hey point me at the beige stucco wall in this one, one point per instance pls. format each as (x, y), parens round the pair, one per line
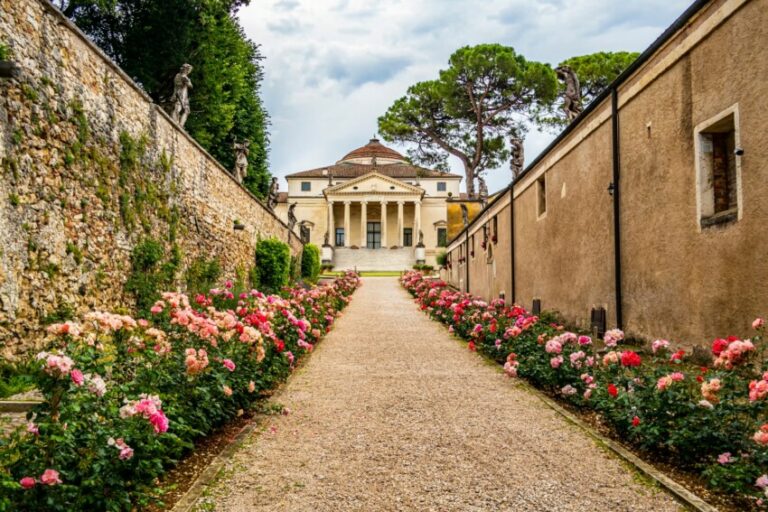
(679, 281)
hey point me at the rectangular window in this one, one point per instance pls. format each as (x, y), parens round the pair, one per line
(442, 186)
(718, 172)
(442, 237)
(407, 237)
(306, 186)
(541, 202)
(339, 237)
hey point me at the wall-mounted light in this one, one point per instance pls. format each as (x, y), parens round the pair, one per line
(611, 188)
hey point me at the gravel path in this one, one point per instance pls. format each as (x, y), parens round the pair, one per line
(391, 413)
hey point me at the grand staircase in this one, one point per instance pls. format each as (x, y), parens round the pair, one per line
(345, 258)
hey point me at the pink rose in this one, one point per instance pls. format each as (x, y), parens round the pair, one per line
(27, 482)
(77, 377)
(229, 364)
(758, 323)
(725, 458)
(555, 362)
(159, 421)
(762, 481)
(585, 340)
(227, 390)
(251, 387)
(50, 477)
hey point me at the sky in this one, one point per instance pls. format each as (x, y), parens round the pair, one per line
(334, 66)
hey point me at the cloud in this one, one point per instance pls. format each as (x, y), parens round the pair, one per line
(333, 66)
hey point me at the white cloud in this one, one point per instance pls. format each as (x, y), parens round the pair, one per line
(333, 66)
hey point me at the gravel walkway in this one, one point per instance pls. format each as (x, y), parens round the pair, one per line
(391, 413)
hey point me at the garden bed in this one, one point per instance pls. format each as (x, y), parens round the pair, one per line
(124, 400)
(707, 425)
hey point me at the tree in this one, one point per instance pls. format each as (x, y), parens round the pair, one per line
(151, 39)
(597, 70)
(471, 109)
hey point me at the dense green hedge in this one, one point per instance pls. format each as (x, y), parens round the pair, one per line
(273, 264)
(310, 263)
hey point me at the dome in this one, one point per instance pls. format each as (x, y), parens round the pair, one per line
(374, 149)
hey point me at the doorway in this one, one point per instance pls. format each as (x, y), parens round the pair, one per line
(374, 235)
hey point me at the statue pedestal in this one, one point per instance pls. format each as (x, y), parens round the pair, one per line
(326, 255)
(421, 254)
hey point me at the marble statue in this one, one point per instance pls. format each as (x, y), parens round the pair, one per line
(464, 215)
(572, 103)
(242, 149)
(292, 216)
(272, 196)
(518, 157)
(482, 189)
(181, 86)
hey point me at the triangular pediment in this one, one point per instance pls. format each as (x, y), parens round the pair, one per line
(374, 183)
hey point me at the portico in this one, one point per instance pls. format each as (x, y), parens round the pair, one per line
(375, 212)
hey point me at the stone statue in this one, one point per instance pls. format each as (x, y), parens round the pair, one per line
(572, 103)
(518, 157)
(482, 189)
(272, 196)
(327, 239)
(292, 216)
(421, 239)
(242, 149)
(181, 86)
(464, 214)
(304, 233)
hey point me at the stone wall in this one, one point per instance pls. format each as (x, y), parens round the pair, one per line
(680, 279)
(90, 168)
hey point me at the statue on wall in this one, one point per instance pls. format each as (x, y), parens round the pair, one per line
(242, 150)
(272, 196)
(304, 233)
(482, 189)
(327, 239)
(464, 214)
(292, 216)
(572, 103)
(421, 239)
(518, 157)
(181, 86)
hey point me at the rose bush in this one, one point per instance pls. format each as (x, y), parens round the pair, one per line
(712, 420)
(125, 399)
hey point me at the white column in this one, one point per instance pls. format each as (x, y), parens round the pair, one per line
(331, 224)
(384, 224)
(400, 224)
(346, 224)
(363, 224)
(416, 221)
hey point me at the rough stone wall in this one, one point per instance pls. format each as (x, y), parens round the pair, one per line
(90, 168)
(680, 281)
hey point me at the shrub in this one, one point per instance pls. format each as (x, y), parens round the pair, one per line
(202, 275)
(149, 275)
(441, 258)
(310, 263)
(712, 419)
(124, 400)
(273, 264)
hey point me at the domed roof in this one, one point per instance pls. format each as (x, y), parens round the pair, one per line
(376, 149)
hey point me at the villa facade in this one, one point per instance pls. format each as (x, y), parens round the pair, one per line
(372, 210)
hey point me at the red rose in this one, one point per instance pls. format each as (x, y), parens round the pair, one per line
(472, 346)
(718, 346)
(613, 391)
(630, 358)
(635, 421)
(677, 356)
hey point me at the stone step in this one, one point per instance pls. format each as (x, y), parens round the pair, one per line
(345, 258)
